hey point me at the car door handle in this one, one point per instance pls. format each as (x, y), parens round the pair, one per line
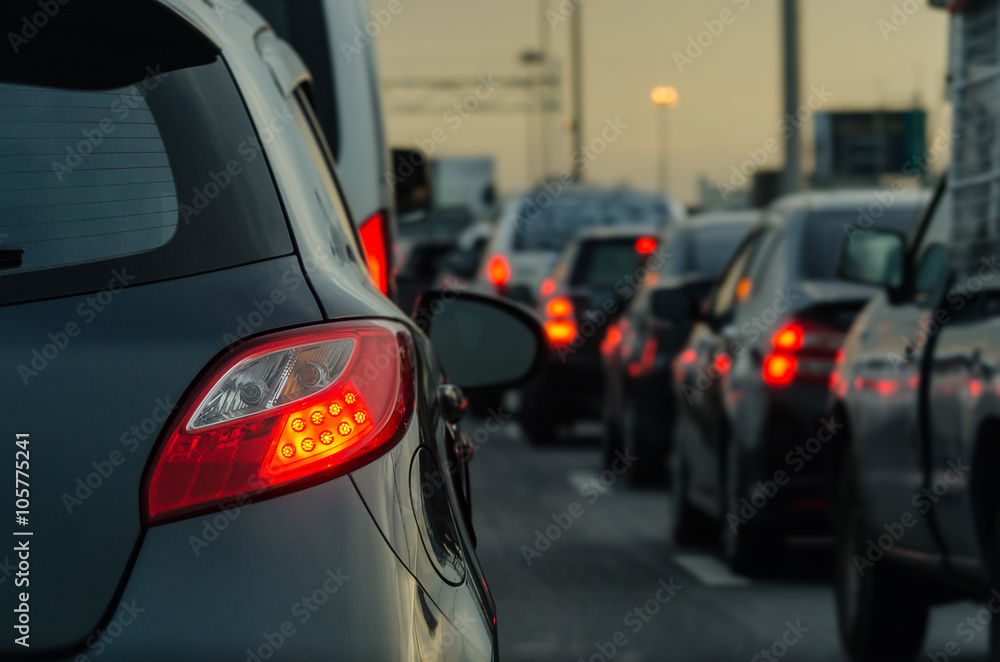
(453, 402)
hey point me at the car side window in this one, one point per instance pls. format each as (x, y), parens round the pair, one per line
(319, 150)
(929, 263)
(763, 254)
(725, 296)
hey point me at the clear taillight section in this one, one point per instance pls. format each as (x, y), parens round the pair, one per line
(286, 411)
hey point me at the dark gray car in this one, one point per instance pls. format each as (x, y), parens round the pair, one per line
(752, 383)
(228, 444)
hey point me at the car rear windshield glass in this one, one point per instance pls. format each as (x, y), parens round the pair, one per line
(155, 178)
(710, 248)
(824, 234)
(549, 228)
(601, 264)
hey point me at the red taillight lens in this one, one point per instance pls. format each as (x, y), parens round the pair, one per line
(498, 270)
(548, 287)
(804, 350)
(645, 246)
(723, 364)
(375, 241)
(560, 332)
(779, 370)
(688, 356)
(287, 411)
(789, 338)
(559, 308)
(611, 340)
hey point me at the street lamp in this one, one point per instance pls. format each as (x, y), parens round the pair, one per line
(664, 97)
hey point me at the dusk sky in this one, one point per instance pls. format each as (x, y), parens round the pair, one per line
(729, 95)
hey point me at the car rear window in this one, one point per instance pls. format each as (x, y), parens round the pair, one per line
(156, 177)
(710, 248)
(549, 228)
(600, 264)
(823, 237)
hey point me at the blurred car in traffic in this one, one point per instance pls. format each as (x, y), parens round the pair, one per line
(598, 272)
(751, 384)
(462, 264)
(638, 350)
(224, 424)
(915, 402)
(535, 227)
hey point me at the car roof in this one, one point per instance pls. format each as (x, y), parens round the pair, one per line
(614, 232)
(849, 199)
(721, 218)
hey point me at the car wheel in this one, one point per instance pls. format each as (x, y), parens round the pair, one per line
(749, 546)
(882, 615)
(994, 655)
(689, 525)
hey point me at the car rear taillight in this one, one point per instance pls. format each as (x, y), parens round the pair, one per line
(548, 287)
(779, 369)
(560, 329)
(645, 246)
(375, 241)
(284, 412)
(559, 308)
(560, 332)
(802, 350)
(498, 270)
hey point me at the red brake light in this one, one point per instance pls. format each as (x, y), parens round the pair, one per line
(779, 370)
(789, 339)
(560, 332)
(559, 308)
(375, 241)
(611, 340)
(722, 363)
(548, 287)
(285, 412)
(688, 356)
(498, 270)
(645, 246)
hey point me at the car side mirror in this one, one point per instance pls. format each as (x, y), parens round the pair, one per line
(412, 185)
(484, 343)
(874, 257)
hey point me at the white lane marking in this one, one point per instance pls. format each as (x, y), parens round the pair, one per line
(580, 479)
(709, 570)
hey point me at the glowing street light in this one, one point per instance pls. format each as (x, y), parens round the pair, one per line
(665, 96)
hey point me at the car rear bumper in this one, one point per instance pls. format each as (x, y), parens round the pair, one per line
(301, 577)
(784, 476)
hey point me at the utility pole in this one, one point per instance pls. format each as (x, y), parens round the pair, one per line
(793, 146)
(544, 41)
(576, 57)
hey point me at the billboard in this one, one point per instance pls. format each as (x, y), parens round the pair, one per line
(852, 146)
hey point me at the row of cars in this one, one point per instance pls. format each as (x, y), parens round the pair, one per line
(229, 441)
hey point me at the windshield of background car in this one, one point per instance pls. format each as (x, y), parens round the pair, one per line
(600, 264)
(824, 234)
(550, 228)
(708, 249)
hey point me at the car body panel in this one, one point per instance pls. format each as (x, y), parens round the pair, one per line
(129, 364)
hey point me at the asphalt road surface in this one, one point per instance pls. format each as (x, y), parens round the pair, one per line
(585, 570)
